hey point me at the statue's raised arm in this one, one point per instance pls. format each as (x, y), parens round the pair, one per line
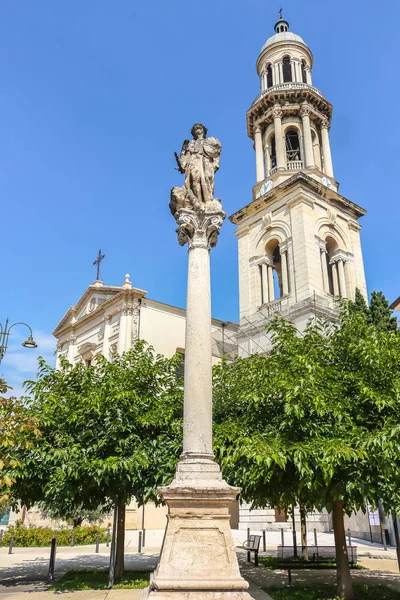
(199, 160)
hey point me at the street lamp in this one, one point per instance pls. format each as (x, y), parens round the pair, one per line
(5, 333)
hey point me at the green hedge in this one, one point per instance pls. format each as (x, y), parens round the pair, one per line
(42, 536)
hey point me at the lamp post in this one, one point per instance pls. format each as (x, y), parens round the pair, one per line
(5, 333)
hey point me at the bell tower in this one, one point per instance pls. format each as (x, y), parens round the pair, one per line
(299, 241)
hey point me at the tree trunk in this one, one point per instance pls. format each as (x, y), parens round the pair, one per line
(344, 581)
(303, 525)
(119, 558)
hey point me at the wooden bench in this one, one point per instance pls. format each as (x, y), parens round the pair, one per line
(299, 567)
(252, 545)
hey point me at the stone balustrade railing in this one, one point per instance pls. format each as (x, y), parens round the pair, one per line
(294, 165)
(291, 85)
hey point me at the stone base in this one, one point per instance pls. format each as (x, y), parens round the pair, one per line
(182, 595)
(198, 558)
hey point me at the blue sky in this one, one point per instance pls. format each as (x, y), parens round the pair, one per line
(95, 96)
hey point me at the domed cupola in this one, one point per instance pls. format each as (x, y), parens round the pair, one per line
(289, 120)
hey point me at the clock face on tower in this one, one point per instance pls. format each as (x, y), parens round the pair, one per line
(266, 187)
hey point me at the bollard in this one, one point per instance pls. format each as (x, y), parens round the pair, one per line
(72, 539)
(140, 542)
(264, 541)
(282, 537)
(248, 534)
(1, 536)
(349, 537)
(52, 562)
(10, 548)
(108, 538)
(144, 538)
(97, 544)
(383, 535)
(315, 540)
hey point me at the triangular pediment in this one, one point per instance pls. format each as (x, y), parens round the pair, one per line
(91, 301)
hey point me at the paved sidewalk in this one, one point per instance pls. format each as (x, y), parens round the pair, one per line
(20, 570)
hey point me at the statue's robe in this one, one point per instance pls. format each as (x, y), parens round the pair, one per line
(200, 159)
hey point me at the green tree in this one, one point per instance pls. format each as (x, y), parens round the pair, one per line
(110, 432)
(360, 305)
(381, 315)
(16, 429)
(314, 422)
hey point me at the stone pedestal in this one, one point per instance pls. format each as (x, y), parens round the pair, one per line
(198, 559)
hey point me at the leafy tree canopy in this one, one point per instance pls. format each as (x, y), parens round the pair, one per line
(111, 428)
(16, 430)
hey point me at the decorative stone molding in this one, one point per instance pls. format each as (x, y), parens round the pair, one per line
(277, 112)
(332, 216)
(325, 124)
(267, 220)
(305, 110)
(135, 325)
(200, 228)
(107, 319)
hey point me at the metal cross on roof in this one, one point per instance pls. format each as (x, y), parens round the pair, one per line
(280, 12)
(97, 262)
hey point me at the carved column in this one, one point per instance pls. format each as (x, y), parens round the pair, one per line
(280, 70)
(284, 270)
(198, 558)
(324, 270)
(264, 280)
(271, 291)
(275, 74)
(122, 329)
(71, 349)
(342, 278)
(279, 146)
(308, 148)
(268, 162)
(336, 290)
(259, 154)
(326, 148)
(293, 70)
(107, 332)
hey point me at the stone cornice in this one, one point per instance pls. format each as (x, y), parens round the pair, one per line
(290, 96)
(300, 179)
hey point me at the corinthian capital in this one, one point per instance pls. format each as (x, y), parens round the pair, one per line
(200, 228)
(305, 110)
(325, 123)
(277, 112)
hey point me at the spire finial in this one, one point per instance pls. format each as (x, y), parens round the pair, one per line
(280, 12)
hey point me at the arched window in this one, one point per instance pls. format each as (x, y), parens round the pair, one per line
(293, 153)
(269, 76)
(303, 71)
(274, 273)
(331, 246)
(336, 267)
(316, 149)
(287, 69)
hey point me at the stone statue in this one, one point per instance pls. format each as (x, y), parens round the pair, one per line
(199, 160)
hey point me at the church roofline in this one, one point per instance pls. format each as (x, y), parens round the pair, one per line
(395, 305)
(300, 177)
(115, 290)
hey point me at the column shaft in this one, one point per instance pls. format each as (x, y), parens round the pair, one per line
(326, 151)
(264, 279)
(280, 69)
(284, 269)
(308, 149)
(280, 149)
(122, 332)
(336, 291)
(107, 330)
(268, 163)
(259, 155)
(271, 293)
(197, 424)
(342, 279)
(71, 352)
(324, 269)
